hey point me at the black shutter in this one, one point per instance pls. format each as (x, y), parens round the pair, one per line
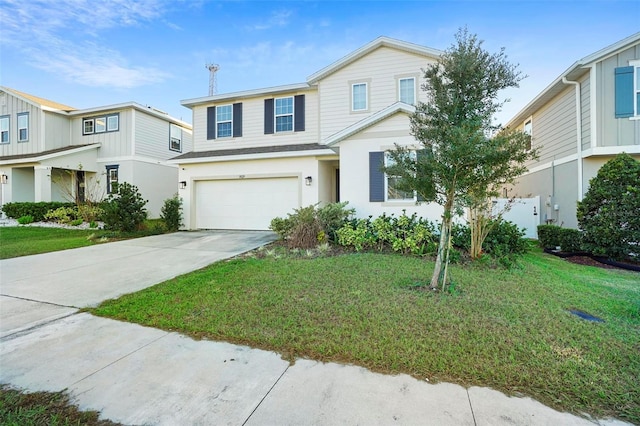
(376, 176)
(624, 92)
(268, 116)
(211, 123)
(237, 120)
(298, 108)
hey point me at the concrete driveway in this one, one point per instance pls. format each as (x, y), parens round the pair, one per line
(40, 288)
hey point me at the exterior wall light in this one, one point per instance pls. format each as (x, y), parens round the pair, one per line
(183, 184)
(308, 180)
(4, 179)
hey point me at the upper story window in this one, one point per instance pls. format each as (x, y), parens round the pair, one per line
(407, 90)
(224, 120)
(636, 89)
(527, 129)
(392, 192)
(23, 127)
(4, 129)
(359, 97)
(175, 138)
(284, 114)
(101, 124)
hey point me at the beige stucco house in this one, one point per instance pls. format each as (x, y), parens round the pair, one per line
(258, 154)
(581, 120)
(49, 151)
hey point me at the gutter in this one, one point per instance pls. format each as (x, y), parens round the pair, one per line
(578, 133)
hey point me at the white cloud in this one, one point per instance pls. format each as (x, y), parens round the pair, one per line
(277, 19)
(61, 36)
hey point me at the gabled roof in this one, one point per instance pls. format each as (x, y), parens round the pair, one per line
(370, 47)
(575, 71)
(276, 90)
(41, 102)
(369, 121)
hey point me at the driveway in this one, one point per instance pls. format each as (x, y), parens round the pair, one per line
(40, 288)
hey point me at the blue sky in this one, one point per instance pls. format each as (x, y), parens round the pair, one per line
(87, 53)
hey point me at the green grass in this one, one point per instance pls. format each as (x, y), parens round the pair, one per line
(43, 408)
(509, 330)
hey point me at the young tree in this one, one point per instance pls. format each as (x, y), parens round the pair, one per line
(463, 157)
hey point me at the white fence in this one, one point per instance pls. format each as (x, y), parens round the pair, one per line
(524, 212)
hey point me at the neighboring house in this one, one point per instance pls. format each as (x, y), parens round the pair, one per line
(584, 118)
(50, 151)
(258, 154)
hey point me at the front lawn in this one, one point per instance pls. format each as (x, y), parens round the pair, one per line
(510, 330)
(27, 240)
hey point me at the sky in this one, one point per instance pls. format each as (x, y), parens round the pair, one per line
(88, 53)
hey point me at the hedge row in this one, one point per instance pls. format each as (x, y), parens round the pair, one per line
(552, 236)
(36, 210)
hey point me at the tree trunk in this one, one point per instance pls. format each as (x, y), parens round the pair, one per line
(439, 276)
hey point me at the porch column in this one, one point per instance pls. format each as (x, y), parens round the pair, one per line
(42, 183)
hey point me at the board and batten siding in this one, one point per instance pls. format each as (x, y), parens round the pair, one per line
(380, 69)
(614, 131)
(57, 131)
(253, 125)
(113, 144)
(585, 108)
(12, 106)
(152, 137)
(554, 127)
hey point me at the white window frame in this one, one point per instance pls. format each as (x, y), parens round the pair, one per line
(25, 127)
(287, 114)
(230, 121)
(5, 119)
(175, 136)
(111, 124)
(529, 130)
(366, 96)
(636, 88)
(112, 177)
(400, 80)
(387, 163)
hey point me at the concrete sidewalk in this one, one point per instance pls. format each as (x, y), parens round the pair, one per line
(140, 375)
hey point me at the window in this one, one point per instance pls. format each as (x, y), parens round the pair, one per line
(359, 97)
(4, 129)
(102, 124)
(636, 90)
(175, 138)
(284, 114)
(407, 90)
(392, 193)
(527, 129)
(112, 178)
(224, 118)
(23, 127)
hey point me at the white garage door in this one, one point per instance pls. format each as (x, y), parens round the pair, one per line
(244, 203)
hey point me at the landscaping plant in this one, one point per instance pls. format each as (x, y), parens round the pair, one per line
(171, 213)
(124, 209)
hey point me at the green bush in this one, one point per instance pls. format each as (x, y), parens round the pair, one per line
(505, 239)
(89, 212)
(37, 210)
(124, 209)
(332, 216)
(549, 236)
(76, 222)
(171, 213)
(608, 214)
(570, 240)
(25, 220)
(62, 214)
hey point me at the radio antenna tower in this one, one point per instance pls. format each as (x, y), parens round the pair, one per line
(213, 68)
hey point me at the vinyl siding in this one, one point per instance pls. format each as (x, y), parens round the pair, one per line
(113, 144)
(57, 130)
(253, 125)
(585, 98)
(380, 69)
(13, 106)
(613, 131)
(554, 127)
(152, 137)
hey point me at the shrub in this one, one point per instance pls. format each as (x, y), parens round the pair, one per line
(549, 236)
(505, 239)
(608, 214)
(171, 213)
(77, 222)
(89, 212)
(62, 214)
(24, 220)
(570, 240)
(37, 210)
(124, 209)
(332, 216)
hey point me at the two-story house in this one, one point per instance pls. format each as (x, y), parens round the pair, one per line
(50, 151)
(586, 116)
(258, 154)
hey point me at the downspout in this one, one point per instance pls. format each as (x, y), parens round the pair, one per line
(578, 132)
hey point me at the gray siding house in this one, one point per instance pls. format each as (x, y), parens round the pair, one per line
(50, 151)
(581, 120)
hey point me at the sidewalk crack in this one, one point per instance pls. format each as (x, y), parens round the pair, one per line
(266, 395)
(471, 407)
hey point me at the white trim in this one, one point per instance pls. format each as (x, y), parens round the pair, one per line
(190, 103)
(611, 150)
(138, 158)
(262, 156)
(636, 87)
(568, 159)
(50, 156)
(366, 96)
(593, 109)
(133, 132)
(224, 121)
(369, 121)
(276, 115)
(415, 92)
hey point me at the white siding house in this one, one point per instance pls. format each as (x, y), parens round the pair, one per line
(261, 153)
(45, 144)
(581, 120)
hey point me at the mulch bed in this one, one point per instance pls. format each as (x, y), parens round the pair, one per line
(586, 260)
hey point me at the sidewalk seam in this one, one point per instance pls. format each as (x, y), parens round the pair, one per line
(266, 395)
(471, 407)
(38, 301)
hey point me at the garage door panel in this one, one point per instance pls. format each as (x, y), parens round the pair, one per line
(244, 203)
